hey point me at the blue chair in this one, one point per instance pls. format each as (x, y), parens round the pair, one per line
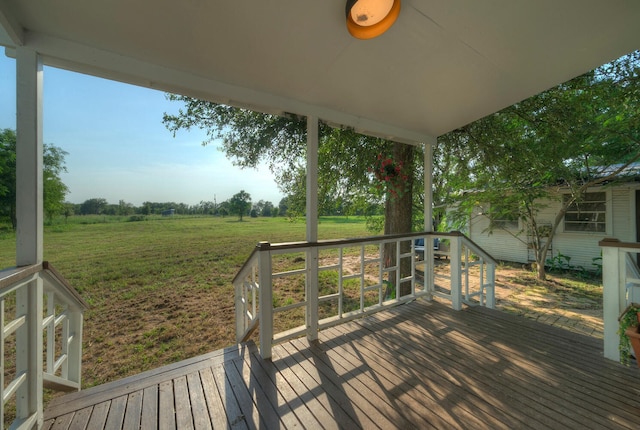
(419, 246)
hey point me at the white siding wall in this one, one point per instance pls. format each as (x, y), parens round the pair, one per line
(500, 244)
(581, 247)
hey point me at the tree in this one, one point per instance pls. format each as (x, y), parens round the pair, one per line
(572, 137)
(8, 175)
(345, 157)
(54, 190)
(240, 203)
(94, 206)
(283, 206)
(267, 209)
(125, 208)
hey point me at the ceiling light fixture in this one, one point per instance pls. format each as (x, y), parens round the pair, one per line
(367, 19)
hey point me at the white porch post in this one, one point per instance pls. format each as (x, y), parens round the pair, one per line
(428, 185)
(613, 295)
(312, 227)
(29, 204)
(29, 234)
(428, 214)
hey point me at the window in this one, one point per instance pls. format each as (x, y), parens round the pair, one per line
(588, 214)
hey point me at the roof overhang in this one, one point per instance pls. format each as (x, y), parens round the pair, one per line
(443, 64)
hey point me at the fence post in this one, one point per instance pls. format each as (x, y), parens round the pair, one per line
(456, 273)
(266, 300)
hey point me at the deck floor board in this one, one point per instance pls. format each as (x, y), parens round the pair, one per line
(149, 417)
(419, 365)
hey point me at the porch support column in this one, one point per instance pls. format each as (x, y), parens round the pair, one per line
(428, 215)
(312, 228)
(428, 184)
(29, 231)
(29, 200)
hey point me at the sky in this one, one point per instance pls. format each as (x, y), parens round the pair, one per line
(118, 148)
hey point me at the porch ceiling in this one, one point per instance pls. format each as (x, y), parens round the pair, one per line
(443, 64)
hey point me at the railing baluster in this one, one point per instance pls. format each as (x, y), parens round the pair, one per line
(51, 332)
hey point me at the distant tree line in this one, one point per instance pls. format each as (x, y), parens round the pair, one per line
(239, 205)
(233, 206)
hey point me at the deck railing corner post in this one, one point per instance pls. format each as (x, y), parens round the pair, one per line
(491, 285)
(29, 351)
(613, 269)
(456, 272)
(266, 302)
(312, 293)
(76, 321)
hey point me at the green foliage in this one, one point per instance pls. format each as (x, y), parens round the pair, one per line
(577, 135)
(597, 263)
(629, 318)
(562, 263)
(54, 190)
(389, 290)
(559, 263)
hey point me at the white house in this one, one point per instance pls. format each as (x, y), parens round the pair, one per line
(609, 211)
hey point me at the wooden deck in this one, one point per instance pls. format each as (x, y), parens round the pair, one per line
(420, 365)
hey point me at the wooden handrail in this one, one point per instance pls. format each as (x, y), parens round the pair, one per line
(246, 263)
(266, 246)
(263, 246)
(14, 275)
(61, 281)
(616, 243)
(480, 250)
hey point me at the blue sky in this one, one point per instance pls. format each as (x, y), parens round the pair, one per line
(120, 150)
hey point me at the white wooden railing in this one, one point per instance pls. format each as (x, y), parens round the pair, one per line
(40, 341)
(311, 286)
(621, 287)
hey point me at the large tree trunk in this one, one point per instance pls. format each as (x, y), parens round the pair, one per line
(398, 216)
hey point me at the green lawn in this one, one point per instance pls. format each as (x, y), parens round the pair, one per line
(160, 289)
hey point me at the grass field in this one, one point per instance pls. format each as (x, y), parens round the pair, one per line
(160, 290)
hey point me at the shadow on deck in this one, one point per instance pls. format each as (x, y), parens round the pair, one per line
(419, 365)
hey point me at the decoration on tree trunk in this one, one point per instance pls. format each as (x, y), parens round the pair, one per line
(391, 176)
